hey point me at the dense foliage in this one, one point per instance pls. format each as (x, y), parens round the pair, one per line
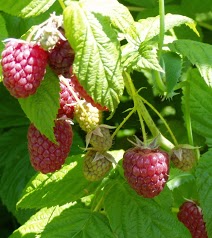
(149, 64)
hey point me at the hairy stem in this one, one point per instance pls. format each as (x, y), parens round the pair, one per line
(141, 109)
(122, 123)
(163, 120)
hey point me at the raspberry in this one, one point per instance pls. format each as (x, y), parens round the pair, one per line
(87, 116)
(191, 216)
(146, 170)
(183, 157)
(79, 88)
(100, 138)
(95, 165)
(67, 102)
(45, 156)
(23, 65)
(61, 57)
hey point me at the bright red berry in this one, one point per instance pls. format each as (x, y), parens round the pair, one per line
(191, 216)
(146, 170)
(23, 66)
(46, 156)
(61, 57)
(82, 92)
(67, 102)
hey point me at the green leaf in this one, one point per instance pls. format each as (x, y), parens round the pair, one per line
(150, 27)
(200, 54)
(26, 8)
(11, 112)
(36, 224)
(15, 166)
(138, 59)
(120, 17)
(172, 65)
(45, 190)
(200, 106)
(65, 221)
(204, 184)
(42, 107)
(97, 61)
(78, 222)
(191, 8)
(183, 186)
(131, 215)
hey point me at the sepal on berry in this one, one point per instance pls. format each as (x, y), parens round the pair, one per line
(96, 165)
(184, 157)
(100, 138)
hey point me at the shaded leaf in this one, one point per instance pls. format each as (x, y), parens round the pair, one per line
(200, 54)
(131, 215)
(200, 106)
(11, 112)
(15, 166)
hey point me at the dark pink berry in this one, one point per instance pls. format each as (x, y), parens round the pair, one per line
(67, 102)
(82, 92)
(61, 57)
(146, 170)
(191, 216)
(46, 156)
(23, 66)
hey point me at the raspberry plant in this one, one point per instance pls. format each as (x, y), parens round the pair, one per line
(137, 68)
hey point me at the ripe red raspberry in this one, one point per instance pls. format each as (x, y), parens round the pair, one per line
(191, 216)
(96, 165)
(61, 57)
(184, 157)
(82, 92)
(87, 116)
(45, 156)
(146, 170)
(67, 102)
(23, 66)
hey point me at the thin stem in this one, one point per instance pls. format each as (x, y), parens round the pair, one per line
(123, 122)
(162, 27)
(160, 84)
(142, 127)
(205, 25)
(135, 9)
(97, 207)
(163, 120)
(62, 4)
(187, 113)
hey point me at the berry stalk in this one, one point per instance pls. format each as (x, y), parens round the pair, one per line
(141, 109)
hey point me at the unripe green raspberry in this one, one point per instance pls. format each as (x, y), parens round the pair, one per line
(100, 138)
(96, 165)
(88, 116)
(184, 157)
